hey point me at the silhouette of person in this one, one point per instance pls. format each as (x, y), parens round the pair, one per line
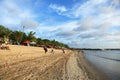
(63, 50)
(45, 49)
(52, 51)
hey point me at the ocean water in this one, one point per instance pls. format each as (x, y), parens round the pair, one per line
(108, 61)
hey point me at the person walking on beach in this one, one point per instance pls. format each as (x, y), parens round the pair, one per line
(52, 51)
(45, 49)
(63, 50)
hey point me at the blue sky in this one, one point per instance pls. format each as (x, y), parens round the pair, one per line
(78, 23)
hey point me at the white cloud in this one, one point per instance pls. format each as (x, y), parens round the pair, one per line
(12, 13)
(66, 34)
(86, 9)
(74, 43)
(107, 9)
(30, 24)
(86, 24)
(57, 8)
(116, 2)
(82, 10)
(63, 30)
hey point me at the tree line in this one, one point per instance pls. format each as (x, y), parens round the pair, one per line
(13, 37)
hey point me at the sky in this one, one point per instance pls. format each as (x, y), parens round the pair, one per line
(78, 23)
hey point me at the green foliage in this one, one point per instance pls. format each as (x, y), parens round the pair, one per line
(31, 36)
(24, 37)
(19, 36)
(4, 33)
(40, 41)
(51, 43)
(16, 36)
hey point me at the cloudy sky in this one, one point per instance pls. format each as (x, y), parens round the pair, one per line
(78, 23)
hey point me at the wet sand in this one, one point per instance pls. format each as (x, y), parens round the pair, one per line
(31, 63)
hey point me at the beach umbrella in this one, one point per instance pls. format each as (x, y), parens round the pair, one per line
(27, 41)
(33, 42)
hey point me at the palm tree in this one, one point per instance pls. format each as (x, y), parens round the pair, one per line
(31, 36)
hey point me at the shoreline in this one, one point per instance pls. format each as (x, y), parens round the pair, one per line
(92, 72)
(31, 63)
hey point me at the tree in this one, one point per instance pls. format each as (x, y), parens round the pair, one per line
(24, 37)
(40, 41)
(2, 31)
(5, 33)
(31, 36)
(16, 36)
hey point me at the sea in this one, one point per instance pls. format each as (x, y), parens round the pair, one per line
(108, 61)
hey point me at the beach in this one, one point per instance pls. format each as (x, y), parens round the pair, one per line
(31, 63)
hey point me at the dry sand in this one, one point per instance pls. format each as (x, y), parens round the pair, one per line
(31, 63)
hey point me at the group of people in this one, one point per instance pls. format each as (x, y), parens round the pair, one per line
(4, 46)
(52, 50)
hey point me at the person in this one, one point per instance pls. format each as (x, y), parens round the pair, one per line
(45, 49)
(0, 46)
(52, 51)
(7, 47)
(63, 50)
(3, 46)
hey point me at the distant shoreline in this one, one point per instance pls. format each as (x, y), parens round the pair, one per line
(92, 49)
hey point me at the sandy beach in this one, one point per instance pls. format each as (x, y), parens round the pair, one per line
(31, 63)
